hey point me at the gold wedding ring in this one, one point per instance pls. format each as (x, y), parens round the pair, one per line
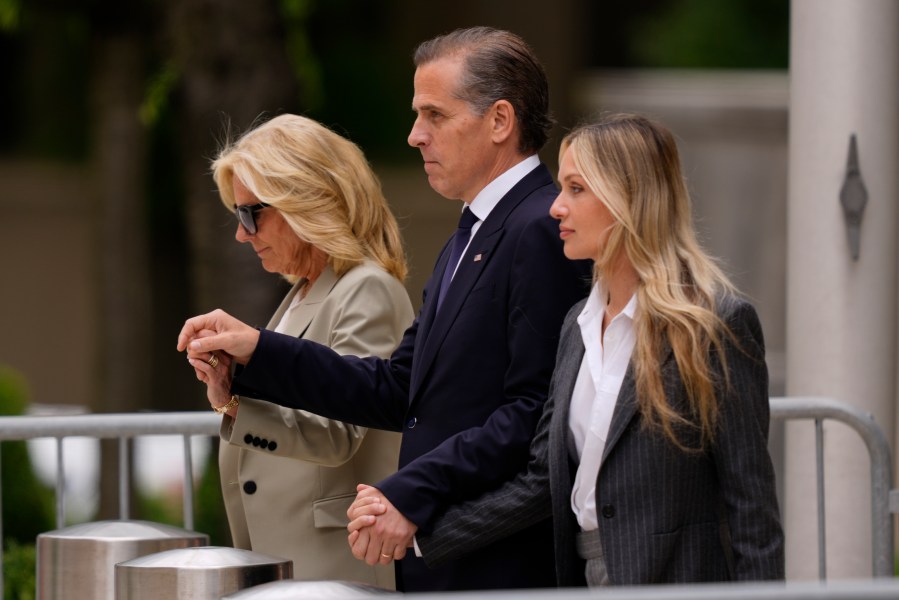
(213, 361)
(386, 555)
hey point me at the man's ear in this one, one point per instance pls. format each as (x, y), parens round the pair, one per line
(503, 121)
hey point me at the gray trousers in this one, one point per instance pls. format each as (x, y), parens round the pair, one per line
(590, 549)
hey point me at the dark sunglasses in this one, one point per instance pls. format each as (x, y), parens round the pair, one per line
(246, 215)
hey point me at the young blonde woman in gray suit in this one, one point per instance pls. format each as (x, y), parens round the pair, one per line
(651, 455)
(312, 209)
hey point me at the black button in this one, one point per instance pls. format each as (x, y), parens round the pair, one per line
(249, 487)
(608, 511)
(256, 441)
(411, 423)
(272, 445)
(248, 439)
(264, 443)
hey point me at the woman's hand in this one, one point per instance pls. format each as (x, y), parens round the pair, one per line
(214, 369)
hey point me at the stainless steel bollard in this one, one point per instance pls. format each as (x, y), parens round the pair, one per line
(79, 561)
(311, 590)
(207, 572)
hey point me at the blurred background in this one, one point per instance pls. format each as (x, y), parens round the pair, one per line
(113, 233)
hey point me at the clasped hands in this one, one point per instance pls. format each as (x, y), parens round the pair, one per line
(379, 533)
(218, 331)
(214, 369)
(213, 342)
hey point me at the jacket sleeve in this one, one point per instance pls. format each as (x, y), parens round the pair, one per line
(366, 391)
(740, 451)
(362, 317)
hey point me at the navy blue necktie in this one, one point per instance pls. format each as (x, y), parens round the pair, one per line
(460, 240)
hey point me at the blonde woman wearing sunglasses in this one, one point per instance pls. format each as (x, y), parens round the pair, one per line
(311, 208)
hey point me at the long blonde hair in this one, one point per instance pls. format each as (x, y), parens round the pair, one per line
(323, 186)
(633, 166)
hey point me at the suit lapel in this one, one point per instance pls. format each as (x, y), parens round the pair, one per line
(473, 263)
(429, 307)
(435, 326)
(299, 317)
(625, 409)
(466, 276)
(626, 406)
(285, 304)
(566, 377)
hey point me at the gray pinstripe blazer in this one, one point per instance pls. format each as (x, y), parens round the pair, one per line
(665, 515)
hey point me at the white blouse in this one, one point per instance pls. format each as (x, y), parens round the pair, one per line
(606, 357)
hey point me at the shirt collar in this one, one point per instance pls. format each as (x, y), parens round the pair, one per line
(595, 308)
(494, 191)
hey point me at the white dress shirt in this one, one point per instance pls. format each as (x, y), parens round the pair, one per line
(487, 199)
(606, 357)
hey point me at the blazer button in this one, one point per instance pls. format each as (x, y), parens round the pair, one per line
(411, 423)
(608, 511)
(248, 439)
(264, 443)
(272, 445)
(257, 441)
(249, 487)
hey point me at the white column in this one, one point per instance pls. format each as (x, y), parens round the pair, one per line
(841, 313)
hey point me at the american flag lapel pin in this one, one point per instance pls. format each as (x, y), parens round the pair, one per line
(477, 258)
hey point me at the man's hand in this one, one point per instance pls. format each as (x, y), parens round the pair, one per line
(379, 533)
(228, 334)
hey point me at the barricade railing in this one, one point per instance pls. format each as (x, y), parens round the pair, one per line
(111, 426)
(884, 500)
(820, 409)
(867, 589)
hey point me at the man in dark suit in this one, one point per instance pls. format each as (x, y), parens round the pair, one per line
(468, 382)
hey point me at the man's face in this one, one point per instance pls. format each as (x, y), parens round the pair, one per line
(455, 143)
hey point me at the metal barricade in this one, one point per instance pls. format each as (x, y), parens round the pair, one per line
(863, 423)
(111, 426)
(884, 500)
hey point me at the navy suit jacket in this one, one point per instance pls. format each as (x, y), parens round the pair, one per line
(665, 515)
(465, 386)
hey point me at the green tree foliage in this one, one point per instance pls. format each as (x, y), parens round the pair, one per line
(365, 77)
(45, 51)
(714, 34)
(19, 562)
(27, 504)
(10, 14)
(306, 66)
(679, 34)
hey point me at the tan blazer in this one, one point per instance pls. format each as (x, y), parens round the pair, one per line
(288, 476)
